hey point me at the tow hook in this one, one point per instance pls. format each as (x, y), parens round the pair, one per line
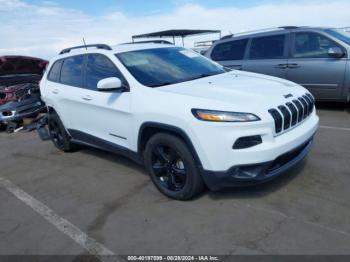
(42, 129)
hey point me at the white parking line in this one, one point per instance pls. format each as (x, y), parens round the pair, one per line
(336, 128)
(88, 243)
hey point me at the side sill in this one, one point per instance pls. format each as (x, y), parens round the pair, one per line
(82, 138)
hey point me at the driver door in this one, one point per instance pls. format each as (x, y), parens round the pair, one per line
(103, 114)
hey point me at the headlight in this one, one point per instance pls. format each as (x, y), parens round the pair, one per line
(221, 116)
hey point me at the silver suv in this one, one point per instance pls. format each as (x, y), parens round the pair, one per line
(316, 58)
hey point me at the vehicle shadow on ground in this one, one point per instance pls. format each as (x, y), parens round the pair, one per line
(114, 158)
(256, 191)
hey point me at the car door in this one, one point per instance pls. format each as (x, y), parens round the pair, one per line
(67, 89)
(268, 55)
(65, 79)
(103, 114)
(230, 53)
(50, 93)
(312, 67)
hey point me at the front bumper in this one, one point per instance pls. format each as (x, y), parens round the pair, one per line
(245, 175)
(15, 111)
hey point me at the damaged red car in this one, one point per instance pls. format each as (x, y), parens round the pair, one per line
(19, 87)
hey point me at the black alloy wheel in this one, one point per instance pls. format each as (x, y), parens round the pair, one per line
(172, 167)
(169, 168)
(56, 134)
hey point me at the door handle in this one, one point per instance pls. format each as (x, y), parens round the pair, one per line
(87, 98)
(293, 66)
(281, 66)
(55, 91)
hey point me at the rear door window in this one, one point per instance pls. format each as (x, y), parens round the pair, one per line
(312, 45)
(268, 47)
(99, 67)
(233, 50)
(55, 71)
(72, 71)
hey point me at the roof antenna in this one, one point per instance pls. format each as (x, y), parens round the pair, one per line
(84, 43)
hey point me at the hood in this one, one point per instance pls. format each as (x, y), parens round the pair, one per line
(10, 65)
(239, 87)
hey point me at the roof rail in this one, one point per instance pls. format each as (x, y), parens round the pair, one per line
(206, 43)
(227, 36)
(265, 30)
(289, 27)
(98, 46)
(160, 41)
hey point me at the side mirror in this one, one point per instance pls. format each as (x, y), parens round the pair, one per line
(336, 52)
(110, 84)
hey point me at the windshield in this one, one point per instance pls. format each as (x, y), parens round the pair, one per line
(165, 66)
(340, 34)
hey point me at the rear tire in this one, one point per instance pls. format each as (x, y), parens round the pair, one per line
(59, 135)
(172, 167)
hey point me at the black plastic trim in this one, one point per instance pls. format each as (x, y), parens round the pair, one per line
(172, 129)
(286, 117)
(80, 137)
(98, 46)
(294, 112)
(277, 118)
(247, 142)
(300, 110)
(305, 105)
(264, 172)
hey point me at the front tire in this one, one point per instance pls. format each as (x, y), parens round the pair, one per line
(172, 167)
(58, 134)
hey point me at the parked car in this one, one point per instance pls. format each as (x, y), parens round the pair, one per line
(316, 58)
(190, 121)
(19, 87)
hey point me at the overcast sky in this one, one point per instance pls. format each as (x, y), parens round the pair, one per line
(43, 28)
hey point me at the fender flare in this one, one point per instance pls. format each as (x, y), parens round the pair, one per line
(171, 129)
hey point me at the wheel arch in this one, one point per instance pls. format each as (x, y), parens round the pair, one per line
(50, 109)
(148, 129)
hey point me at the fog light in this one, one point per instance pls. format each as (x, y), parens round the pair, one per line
(247, 141)
(248, 172)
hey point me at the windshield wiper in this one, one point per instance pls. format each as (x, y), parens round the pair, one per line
(201, 76)
(162, 84)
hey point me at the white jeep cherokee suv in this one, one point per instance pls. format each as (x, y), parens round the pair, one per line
(189, 120)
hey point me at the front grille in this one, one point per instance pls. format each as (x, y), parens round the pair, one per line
(278, 119)
(300, 110)
(293, 109)
(292, 113)
(286, 115)
(306, 109)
